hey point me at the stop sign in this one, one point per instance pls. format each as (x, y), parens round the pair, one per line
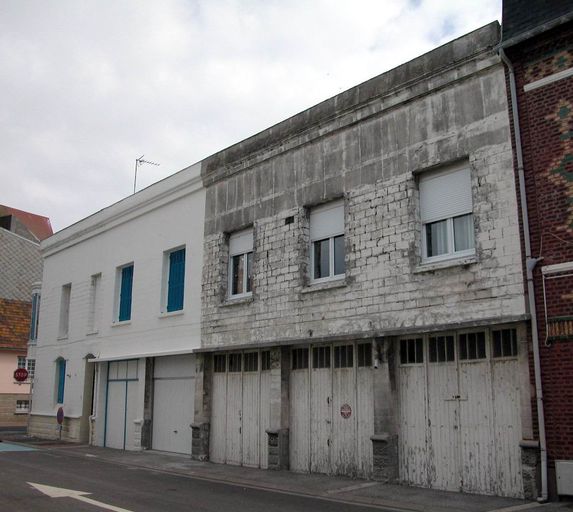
(21, 374)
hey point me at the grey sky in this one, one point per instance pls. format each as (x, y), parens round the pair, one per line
(86, 87)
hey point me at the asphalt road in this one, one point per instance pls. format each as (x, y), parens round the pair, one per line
(115, 487)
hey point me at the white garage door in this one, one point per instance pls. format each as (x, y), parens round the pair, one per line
(459, 412)
(240, 411)
(173, 403)
(331, 409)
(121, 408)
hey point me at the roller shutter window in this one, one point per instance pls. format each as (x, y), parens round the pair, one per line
(446, 213)
(327, 242)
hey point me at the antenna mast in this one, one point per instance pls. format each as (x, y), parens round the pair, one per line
(138, 162)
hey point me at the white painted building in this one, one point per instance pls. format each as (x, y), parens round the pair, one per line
(120, 316)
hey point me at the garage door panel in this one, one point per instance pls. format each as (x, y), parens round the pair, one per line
(507, 435)
(234, 418)
(299, 421)
(173, 414)
(131, 415)
(115, 415)
(251, 415)
(174, 366)
(414, 460)
(476, 427)
(320, 420)
(443, 454)
(365, 420)
(218, 432)
(265, 417)
(344, 453)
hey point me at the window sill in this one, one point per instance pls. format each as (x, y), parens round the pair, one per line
(119, 324)
(21, 412)
(237, 301)
(452, 262)
(167, 314)
(325, 285)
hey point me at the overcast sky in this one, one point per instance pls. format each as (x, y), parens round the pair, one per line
(86, 87)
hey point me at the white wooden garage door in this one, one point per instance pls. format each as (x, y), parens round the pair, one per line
(121, 404)
(460, 412)
(240, 411)
(331, 409)
(173, 403)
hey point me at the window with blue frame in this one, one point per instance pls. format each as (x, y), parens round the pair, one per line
(61, 379)
(176, 280)
(125, 293)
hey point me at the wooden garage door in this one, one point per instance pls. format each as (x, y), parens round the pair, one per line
(173, 403)
(241, 408)
(331, 409)
(459, 412)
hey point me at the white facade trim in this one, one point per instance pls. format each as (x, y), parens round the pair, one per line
(548, 80)
(558, 267)
(160, 194)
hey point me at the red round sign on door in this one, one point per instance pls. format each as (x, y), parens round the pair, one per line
(345, 411)
(21, 374)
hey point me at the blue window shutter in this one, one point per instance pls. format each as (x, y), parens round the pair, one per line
(61, 380)
(176, 283)
(125, 293)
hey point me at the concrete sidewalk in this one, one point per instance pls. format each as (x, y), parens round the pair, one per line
(337, 489)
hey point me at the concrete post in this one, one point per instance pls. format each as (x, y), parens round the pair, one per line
(278, 433)
(201, 426)
(385, 438)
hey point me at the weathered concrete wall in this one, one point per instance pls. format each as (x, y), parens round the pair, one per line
(365, 146)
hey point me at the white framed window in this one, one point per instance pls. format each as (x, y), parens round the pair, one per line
(21, 361)
(31, 367)
(327, 242)
(22, 406)
(173, 285)
(94, 304)
(447, 214)
(34, 319)
(64, 324)
(241, 264)
(123, 292)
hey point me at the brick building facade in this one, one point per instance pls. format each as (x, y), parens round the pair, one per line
(538, 42)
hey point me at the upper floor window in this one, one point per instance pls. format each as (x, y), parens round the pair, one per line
(446, 212)
(125, 279)
(241, 263)
(31, 367)
(35, 317)
(65, 311)
(175, 262)
(21, 361)
(94, 304)
(327, 242)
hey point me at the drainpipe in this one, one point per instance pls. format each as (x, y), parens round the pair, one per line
(529, 266)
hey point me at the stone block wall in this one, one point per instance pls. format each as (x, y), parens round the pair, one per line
(369, 155)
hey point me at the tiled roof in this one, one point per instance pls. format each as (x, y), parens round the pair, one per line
(20, 266)
(14, 323)
(39, 226)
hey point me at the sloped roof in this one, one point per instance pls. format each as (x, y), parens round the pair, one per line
(38, 225)
(520, 20)
(14, 324)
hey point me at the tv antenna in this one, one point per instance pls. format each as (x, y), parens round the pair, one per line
(139, 162)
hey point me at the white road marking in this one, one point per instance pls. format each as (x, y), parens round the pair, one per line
(58, 492)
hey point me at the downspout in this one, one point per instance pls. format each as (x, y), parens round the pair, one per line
(529, 266)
